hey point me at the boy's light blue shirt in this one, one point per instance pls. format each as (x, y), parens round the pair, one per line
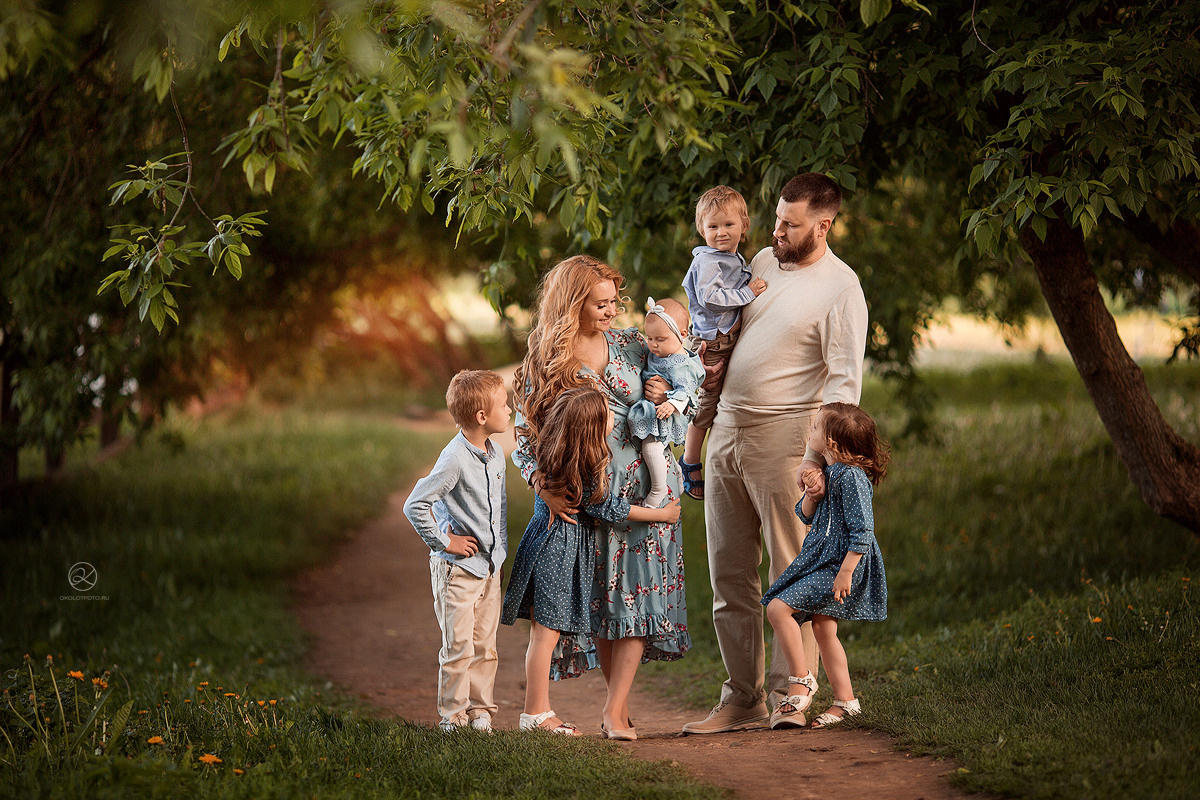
(717, 286)
(464, 490)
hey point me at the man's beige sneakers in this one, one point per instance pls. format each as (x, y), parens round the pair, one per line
(727, 717)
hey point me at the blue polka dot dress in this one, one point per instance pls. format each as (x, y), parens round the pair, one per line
(843, 521)
(553, 578)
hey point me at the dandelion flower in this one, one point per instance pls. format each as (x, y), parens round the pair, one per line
(103, 684)
(154, 740)
(237, 771)
(229, 694)
(210, 759)
(76, 674)
(1097, 619)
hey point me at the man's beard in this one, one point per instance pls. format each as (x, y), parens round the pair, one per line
(794, 254)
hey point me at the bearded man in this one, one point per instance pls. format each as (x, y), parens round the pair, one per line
(801, 345)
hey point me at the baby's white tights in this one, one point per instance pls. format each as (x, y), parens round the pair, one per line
(654, 453)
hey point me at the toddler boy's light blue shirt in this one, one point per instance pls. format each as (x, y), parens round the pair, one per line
(717, 286)
(465, 490)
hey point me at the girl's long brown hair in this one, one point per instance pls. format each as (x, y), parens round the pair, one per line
(550, 366)
(853, 438)
(572, 452)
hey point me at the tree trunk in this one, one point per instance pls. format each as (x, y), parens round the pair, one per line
(56, 458)
(111, 407)
(1164, 466)
(110, 429)
(9, 448)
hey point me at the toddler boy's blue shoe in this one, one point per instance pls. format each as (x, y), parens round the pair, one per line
(692, 487)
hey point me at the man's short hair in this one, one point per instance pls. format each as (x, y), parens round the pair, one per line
(471, 391)
(822, 194)
(720, 197)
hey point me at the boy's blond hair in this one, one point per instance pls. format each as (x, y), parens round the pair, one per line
(720, 197)
(470, 391)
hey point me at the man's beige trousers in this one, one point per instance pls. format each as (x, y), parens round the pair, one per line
(750, 497)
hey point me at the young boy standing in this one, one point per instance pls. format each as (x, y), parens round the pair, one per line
(460, 509)
(718, 283)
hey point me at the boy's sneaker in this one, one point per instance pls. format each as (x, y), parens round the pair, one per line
(482, 723)
(727, 717)
(451, 727)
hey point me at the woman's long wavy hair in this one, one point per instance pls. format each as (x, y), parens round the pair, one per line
(573, 453)
(550, 366)
(852, 437)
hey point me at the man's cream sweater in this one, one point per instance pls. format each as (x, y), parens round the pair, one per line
(801, 345)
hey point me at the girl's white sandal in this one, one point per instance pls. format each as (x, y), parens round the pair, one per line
(850, 707)
(531, 722)
(789, 712)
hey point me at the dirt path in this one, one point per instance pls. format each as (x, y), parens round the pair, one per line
(371, 617)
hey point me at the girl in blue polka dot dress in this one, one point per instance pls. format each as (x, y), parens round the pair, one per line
(839, 572)
(554, 569)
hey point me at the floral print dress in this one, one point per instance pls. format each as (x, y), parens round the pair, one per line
(639, 587)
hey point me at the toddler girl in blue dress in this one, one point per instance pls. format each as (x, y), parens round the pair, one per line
(839, 572)
(554, 568)
(659, 426)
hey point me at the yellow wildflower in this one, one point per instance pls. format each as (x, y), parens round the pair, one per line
(154, 740)
(1097, 619)
(76, 674)
(237, 771)
(210, 759)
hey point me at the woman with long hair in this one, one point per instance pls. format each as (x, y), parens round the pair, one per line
(638, 607)
(554, 571)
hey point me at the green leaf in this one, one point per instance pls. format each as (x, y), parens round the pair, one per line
(158, 315)
(119, 719)
(873, 11)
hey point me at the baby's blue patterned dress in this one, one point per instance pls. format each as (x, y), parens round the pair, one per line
(843, 522)
(685, 373)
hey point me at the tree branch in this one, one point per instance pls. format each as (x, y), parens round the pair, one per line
(500, 51)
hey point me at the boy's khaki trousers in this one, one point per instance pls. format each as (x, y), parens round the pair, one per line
(468, 612)
(750, 497)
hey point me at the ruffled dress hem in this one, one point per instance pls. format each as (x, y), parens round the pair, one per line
(665, 640)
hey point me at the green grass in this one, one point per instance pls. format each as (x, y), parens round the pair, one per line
(1041, 629)
(1041, 626)
(186, 635)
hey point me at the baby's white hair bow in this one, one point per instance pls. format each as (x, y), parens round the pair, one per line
(653, 307)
